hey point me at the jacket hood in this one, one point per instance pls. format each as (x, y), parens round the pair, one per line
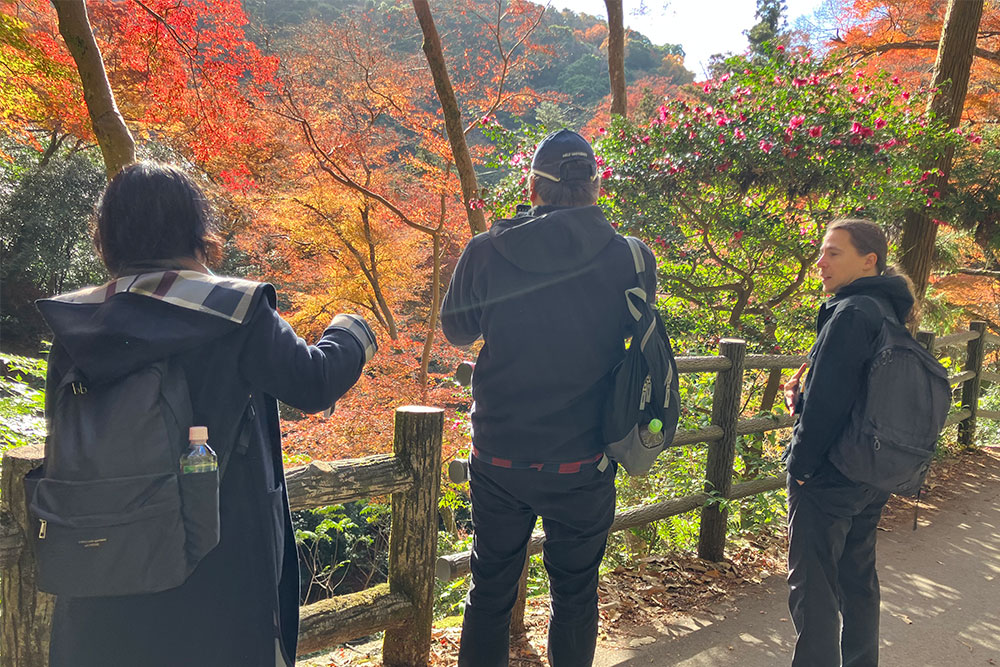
(130, 322)
(892, 289)
(549, 239)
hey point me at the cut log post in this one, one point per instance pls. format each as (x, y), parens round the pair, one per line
(414, 532)
(517, 615)
(26, 617)
(970, 388)
(719, 467)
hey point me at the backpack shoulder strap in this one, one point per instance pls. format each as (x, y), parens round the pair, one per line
(883, 308)
(635, 245)
(640, 291)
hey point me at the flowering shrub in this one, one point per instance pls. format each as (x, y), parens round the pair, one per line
(732, 186)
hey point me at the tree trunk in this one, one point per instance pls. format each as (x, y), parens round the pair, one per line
(951, 77)
(616, 57)
(117, 146)
(452, 116)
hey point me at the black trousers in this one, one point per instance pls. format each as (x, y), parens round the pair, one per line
(577, 510)
(833, 586)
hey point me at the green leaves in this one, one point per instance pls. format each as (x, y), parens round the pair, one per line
(22, 401)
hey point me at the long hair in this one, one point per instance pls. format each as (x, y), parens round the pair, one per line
(152, 211)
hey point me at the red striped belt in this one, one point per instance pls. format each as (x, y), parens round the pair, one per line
(561, 468)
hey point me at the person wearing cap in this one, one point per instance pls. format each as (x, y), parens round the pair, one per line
(544, 291)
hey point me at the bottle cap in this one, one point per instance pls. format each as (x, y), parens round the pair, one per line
(198, 433)
(655, 426)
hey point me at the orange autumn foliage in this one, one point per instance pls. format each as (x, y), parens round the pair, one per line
(901, 37)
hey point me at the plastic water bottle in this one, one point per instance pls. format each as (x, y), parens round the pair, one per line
(199, 457)
(652, 436)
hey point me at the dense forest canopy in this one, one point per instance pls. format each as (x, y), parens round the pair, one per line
(317, 130)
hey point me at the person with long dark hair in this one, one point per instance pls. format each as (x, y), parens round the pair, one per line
(834, 591)
(239, 606)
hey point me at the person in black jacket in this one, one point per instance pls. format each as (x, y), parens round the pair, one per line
(834, 592)
(240, 605)
(545, 292)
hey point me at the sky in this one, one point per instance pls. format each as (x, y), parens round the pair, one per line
(702, 27)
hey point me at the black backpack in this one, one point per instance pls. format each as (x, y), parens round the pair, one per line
(645, 385)
(115, 516)
(894, 425)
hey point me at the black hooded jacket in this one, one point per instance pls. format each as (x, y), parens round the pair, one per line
(838, 363)
(240, 605)
(545, 290)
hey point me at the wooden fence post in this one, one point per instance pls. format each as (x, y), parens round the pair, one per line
(414, 532)
(26, 619)
(719, 467)
(970, 388)
(517, 626)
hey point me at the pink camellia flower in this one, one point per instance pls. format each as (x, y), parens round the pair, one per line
(739, 134)
(738, 235)
(880, 123)
(601, 130)
(798, 83)
(606, 174)
(895, 80)
(906, 95)
(796, 121)
(816, 131)
(780, 47)
(856, 127)
(645, 139)
(766, 145)
(835, 142)
(975, 138)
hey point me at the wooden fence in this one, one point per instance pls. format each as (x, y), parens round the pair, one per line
(411, 475)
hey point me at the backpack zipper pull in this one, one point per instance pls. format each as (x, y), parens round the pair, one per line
(41, 531)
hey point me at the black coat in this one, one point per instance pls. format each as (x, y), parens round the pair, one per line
(838, 366)
(240, 606)
(545, 290)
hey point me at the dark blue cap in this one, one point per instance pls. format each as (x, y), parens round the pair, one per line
(564, 156)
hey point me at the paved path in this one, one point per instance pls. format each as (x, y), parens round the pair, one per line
(940, 599)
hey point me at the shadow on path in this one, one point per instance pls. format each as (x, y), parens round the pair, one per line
(940, 596)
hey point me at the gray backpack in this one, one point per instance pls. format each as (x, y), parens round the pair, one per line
(115, 516)
(894, 425)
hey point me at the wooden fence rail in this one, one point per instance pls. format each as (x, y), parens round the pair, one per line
(720, 438)
(403, 607)
(411, 476)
